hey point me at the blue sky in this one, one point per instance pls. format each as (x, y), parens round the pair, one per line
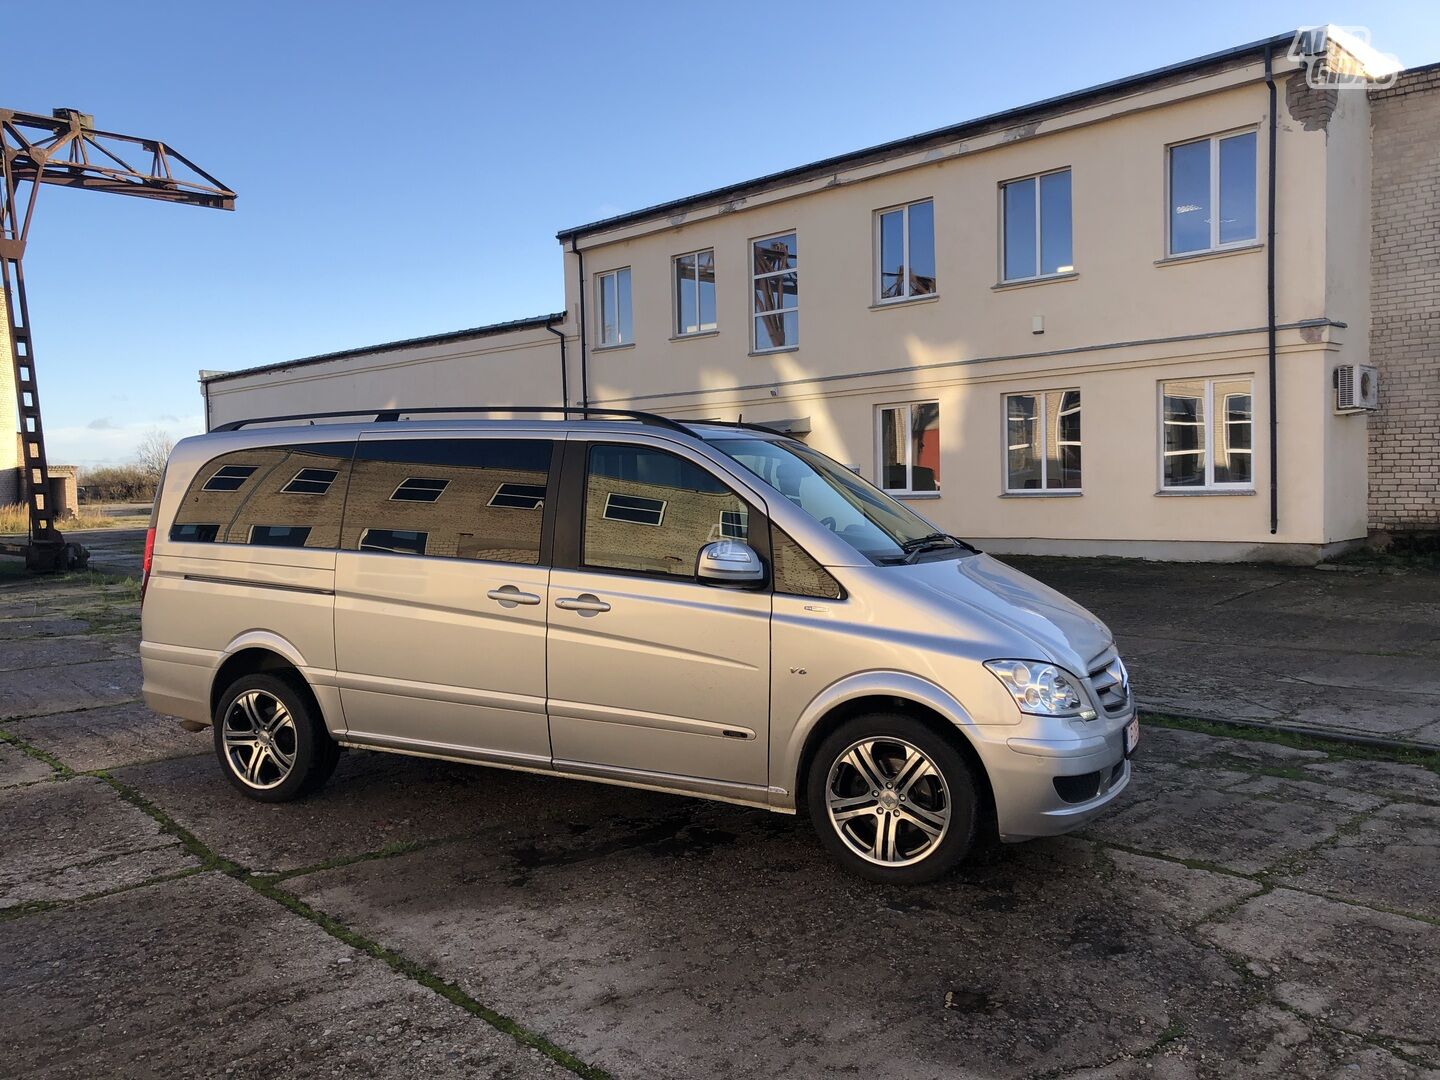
(402, 169)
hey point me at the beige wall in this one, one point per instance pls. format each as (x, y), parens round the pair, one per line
(1128, 319)
(514, 367)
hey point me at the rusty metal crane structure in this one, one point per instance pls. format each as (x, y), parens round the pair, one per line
(66, 149)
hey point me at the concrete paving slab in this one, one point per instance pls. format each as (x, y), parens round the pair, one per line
(1196, 817)
(1284, 789)
(373, 800)
(718, 941)
(110, 737)
(45, 652)
(63, 689)
(1387, 779)
(1351, 652)
(1277, 1044)
(1391, 860)
(15, 628)
(77, 837)
(1365, 971)
(204, 977)
(18, 768)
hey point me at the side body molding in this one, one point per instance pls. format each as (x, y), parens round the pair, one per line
(864, 684)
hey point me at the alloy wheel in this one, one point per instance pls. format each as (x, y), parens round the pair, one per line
(260, 739)
(888, 801)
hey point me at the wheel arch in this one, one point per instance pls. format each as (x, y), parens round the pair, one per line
(882, 692)
(262, 659)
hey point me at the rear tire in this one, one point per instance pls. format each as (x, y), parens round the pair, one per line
(892, 800)
(271, 742)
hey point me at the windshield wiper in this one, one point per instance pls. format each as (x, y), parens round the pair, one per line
(930, 542)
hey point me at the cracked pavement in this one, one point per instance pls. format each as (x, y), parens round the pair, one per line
(1247, 909)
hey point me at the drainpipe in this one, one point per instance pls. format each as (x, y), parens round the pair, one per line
(1270, 294)
(564, 373)
(584, 337)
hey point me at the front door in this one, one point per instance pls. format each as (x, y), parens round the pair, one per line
(652, 672)
(440, 596)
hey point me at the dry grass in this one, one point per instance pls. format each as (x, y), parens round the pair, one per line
(15, 520)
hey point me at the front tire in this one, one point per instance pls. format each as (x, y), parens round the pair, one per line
(892, 800)
(272, 744)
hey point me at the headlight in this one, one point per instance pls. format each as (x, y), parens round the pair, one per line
(1039, 689)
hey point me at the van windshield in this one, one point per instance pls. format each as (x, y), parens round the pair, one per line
(874, 524)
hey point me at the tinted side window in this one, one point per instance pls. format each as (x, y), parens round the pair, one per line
(285, 496)
(651, 511)
(796, 572)
(449, 498)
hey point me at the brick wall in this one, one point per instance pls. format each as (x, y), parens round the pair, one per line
(1405, 302)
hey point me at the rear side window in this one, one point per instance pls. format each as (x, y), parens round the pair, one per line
(650, 511)
(449, 498)
(269, 496)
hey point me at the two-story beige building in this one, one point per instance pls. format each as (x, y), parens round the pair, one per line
(1109, 322)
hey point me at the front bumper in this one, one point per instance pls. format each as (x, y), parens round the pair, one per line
(1023, 763)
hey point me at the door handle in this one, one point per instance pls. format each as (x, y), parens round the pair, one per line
(509, 596)
(585, 603)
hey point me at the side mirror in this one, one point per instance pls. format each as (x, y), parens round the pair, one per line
(729, 562)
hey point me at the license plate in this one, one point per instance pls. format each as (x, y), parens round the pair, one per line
(1132, 736)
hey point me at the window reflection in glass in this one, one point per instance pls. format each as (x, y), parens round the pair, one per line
(1190, 197)
(449, 498)
(1237, 188)
(241, 491)
(695, 293)
(776, 292)
(1023, 461)
(1020, 234)
(1184, 422)
(650, 511)
(1234, 459)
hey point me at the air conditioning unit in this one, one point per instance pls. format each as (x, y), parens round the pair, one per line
(1357, 388)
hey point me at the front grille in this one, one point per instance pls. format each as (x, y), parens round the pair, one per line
(1110, 682)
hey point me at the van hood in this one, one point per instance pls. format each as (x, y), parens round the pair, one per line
(1064, 631)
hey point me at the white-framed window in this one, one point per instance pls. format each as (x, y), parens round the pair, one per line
(775, 274)
(695, 293)
(735, 524)
(612, 308)
(310, 482)
(229, 477)
(1212, 184)
(1036, 229)
(635, 509)
(905, 252)
(419, 489)
(519, 496)
(1042, 441)
(907, 439)
(1207, 434)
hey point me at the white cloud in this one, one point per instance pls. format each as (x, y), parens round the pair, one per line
(113, 444)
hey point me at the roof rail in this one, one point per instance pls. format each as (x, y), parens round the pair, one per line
(746, 426)
(393, 415)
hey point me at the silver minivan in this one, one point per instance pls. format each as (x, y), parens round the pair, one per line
(711, 609)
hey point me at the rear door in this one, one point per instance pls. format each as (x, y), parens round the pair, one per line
(440, 587)
(653, 674)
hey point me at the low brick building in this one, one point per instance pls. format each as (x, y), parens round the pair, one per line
(1405, 301)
